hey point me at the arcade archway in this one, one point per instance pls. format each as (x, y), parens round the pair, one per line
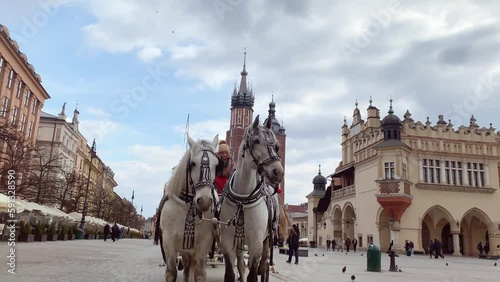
(384, 230)
(349, 221)
(337, 222)
(436, 224)
(474, 229)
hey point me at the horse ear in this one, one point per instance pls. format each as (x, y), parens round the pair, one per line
(191, 142)
(269, 122)
(255, 122)
(215, 141)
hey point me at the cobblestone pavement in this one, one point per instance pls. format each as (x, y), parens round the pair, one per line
(138, 260)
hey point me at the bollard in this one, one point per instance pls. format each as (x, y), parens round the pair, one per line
(393, 256)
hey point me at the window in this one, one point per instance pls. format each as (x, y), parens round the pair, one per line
(30, 130)
(27, 98)
(389, 170)
(453, 172)
(431, 170)
(475, 173)
(11, 77)
(405, 171)
(23, 123)
(19, 87)
(14, 115)
(5, 106)
(1, 64)
(33, 107)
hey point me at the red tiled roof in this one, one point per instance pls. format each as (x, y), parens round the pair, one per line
(296, 208)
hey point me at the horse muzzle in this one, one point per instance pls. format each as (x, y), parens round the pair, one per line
(203, 203)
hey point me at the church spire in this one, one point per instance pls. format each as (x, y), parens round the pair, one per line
(244, 73)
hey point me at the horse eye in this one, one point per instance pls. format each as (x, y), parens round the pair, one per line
(193, 164)
(277, 148)
(256, 141)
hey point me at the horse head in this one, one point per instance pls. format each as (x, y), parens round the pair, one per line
(201, 171)
(263, 147)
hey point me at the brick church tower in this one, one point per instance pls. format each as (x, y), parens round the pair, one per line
(242, 101)
(279, 131)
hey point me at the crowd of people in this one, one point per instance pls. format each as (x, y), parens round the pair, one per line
(341, 243)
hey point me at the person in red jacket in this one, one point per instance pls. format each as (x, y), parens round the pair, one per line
(224, 167)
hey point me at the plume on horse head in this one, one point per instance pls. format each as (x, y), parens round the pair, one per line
(177, 182)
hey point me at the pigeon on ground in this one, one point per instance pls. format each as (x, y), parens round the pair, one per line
(446, 264)
(344, 269)
(353, 277)
(323, 255)
(400, 270)
(362, 254)
(495, 264)
(316, 255)
(161, 265)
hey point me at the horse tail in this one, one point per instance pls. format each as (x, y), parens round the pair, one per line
(158, 219)
(284, 222)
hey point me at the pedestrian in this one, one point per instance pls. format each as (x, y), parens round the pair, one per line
(411, 247)
(431, 248)
(437, 249)
(293, 244)
(341, 245)
(107, 229)
(486, 248)
(348, 243)
(354, 244)
(334, 244)
(407, 247)
(115, 232)
(480, 249)
(328, 242)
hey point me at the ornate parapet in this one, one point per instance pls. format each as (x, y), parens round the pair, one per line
(344, 192)
(394, 186)
(455, 188)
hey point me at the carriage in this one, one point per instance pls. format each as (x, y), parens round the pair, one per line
(191, 216)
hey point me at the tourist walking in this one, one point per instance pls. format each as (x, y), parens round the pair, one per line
(293, 244)
(348, 243)
(354, 244)
(341, 245)
(107, 229)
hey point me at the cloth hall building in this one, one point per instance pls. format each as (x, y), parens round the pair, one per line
(407, 180)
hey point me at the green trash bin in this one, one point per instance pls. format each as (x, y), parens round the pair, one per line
(373, 259)
(80, 234)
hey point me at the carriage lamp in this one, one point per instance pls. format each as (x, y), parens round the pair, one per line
(324, 225)
(391, 222)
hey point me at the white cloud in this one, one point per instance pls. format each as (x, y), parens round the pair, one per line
(98, 113)
(149, 53)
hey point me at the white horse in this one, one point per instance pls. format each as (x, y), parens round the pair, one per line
(189, 196)
(250, 205)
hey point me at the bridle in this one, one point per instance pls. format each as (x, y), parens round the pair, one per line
(204, 179)
(272, 149)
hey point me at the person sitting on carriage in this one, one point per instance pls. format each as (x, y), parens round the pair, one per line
(224, 168)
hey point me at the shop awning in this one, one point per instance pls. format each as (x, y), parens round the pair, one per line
(343, 171)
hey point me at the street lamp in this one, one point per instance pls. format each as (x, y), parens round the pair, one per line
(86, 204)
(130, 213)
(391, 222)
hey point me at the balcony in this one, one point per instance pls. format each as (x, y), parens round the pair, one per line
(344, 192)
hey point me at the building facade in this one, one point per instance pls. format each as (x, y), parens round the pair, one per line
(408, 180)
(242, 102)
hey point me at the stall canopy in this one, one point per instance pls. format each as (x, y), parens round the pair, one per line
(4, 202)
(22, 205)
(89, 219)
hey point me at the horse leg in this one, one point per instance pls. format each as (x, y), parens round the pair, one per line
(171, 267)
(240, 260)
(229, 263)
(265, 255)
(200, 272)
(186, 260)
(253, 262)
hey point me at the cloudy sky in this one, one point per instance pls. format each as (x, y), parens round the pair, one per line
(138, 68)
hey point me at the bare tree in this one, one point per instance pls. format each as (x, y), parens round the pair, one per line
(15, 156)
(44, 176)
(80, 184)
(65, 189)
(101, 200)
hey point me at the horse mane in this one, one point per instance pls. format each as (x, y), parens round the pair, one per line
(178, 180)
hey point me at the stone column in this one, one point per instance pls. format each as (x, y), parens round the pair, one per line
(456, 243)
(395, 236)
